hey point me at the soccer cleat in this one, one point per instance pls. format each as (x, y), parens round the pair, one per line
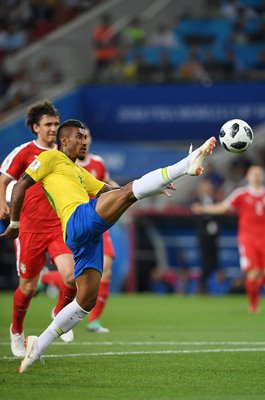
(96, 327)
(197, 156)
(17, 343)
(66, 337)
(32, 355)
(253, 309)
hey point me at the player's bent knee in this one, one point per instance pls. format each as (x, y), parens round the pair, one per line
(28, 286)
(69, 280)
(29, 291)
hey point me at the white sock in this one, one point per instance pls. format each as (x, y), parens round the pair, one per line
(179, 169)
(65, 320)
(156, 181)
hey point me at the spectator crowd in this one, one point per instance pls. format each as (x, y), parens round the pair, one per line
(23, 22)
(225, 43)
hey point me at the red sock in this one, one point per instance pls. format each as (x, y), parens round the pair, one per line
(20, 307)
(103, 295)
(52, 278)
(66, 295)
(253, 293)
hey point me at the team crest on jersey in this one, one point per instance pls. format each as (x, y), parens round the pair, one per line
(22, 268)
(34, 165)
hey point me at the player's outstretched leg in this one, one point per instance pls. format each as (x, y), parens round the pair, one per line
(156, 181)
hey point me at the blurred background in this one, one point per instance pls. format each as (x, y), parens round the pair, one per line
(148, 77)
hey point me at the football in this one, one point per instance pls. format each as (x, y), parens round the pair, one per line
(236, 136)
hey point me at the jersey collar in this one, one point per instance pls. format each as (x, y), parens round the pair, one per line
(44, 148)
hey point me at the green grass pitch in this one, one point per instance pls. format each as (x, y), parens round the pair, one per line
(159, 348)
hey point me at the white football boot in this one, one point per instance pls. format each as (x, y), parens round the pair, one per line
(197, 157)
(32, 355)
(17, 343)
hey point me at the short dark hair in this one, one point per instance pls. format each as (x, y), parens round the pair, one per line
(37, 111)
(65, 128)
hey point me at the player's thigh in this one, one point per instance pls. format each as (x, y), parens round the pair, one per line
(111, 205)
(56, 245)
(30, 251)
(28, 285)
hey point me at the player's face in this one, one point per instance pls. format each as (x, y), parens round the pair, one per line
(46, 130)
(75, 145)
(82, 156)
(255, 176)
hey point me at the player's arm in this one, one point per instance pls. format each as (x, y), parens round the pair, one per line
(17, 199)
(105, 177)
(107, 188)
(214, 209)
(112, 183)
(94, 186)
(4, 208)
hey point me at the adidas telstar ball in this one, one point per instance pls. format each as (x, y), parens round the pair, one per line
(236, 136)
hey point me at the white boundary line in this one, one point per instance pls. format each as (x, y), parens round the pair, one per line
(109, 343)
(133, 353)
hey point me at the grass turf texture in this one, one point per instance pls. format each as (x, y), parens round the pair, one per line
(159, 347)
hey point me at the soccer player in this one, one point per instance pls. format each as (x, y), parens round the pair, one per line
(96, 166)
(249, 203)
(67, 187)
(40, 228)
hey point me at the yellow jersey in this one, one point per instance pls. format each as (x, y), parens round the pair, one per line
(66, 184)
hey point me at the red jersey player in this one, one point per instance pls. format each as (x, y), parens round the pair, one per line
(96, 166)
(249, 203)
(40, 228)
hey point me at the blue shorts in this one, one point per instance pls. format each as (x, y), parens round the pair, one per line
(84, 237)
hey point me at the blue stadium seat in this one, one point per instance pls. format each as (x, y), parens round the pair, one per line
(152, 54)
(247, 53)
(252, 3)
(218, 29)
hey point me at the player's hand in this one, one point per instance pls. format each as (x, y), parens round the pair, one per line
(10, 233)
(4, 211)
(197, 208)
(165, 192)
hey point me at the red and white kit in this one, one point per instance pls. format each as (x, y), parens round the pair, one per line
(40, 228)
(96, 166)
(250, 206)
